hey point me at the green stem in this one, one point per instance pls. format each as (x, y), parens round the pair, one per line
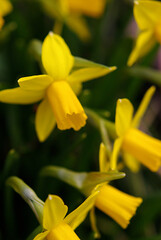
(151, 75)
(97, 121)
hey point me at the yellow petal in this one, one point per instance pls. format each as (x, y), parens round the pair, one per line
(144, 43)
(56, 57)
(75, 218)
(131, 162)
(147, 13)
(116, 204)
(54, 212)
(93, 8)
(123, 117)
(66, 107)
(45, 120)
(86, 74)
(144, 148)
(103, 159)
(115, 153)
(5, 7)
(78, 25)
(41, 236)
(62, 232)
(143, 106)
(20, 96)
(35, 83)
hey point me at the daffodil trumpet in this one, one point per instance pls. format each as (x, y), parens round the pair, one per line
(57, 89)
(137, 147)
(148, 17)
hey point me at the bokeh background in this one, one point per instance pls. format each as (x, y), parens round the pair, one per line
(23, 155)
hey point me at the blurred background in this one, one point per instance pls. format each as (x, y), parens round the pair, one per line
(21, 154)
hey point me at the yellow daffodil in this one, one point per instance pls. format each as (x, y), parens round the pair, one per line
(134, 143)
(56, 225)
(70, 12)
(148, 17)
(5, 8)
(55, 89)
(118, 205)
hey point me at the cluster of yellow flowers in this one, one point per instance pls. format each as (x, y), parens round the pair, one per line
(57, 89)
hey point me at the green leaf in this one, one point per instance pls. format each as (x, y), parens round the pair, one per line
(153, 76)
(95, 178)
(28, 195)
(85, 182)
(72, 178)
(83, 63)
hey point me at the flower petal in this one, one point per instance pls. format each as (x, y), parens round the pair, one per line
(143, 106)
(144, 43)
(123, 117)
(75, 218)
(66, 107)
(35, 83)
(115, 153)
(20, 96)
(45, 120)
(103, 159)
(90, 8)
(144, 148)
(86, 74)
(147, 13)
(41, 236)
(54, 212)
(131, 162)
(56, 57)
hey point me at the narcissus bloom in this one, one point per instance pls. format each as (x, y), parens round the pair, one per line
(134, 143)
(65, 74)
(148, 17)
(118, 205)
(56, 225)
(70, 12)
(5, 8)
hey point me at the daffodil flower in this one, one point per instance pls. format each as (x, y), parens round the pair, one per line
(65, 75)
(70, 12)
(148, 17)
(134, 143)
(5, 8)
(120, 206)
(56, 225)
